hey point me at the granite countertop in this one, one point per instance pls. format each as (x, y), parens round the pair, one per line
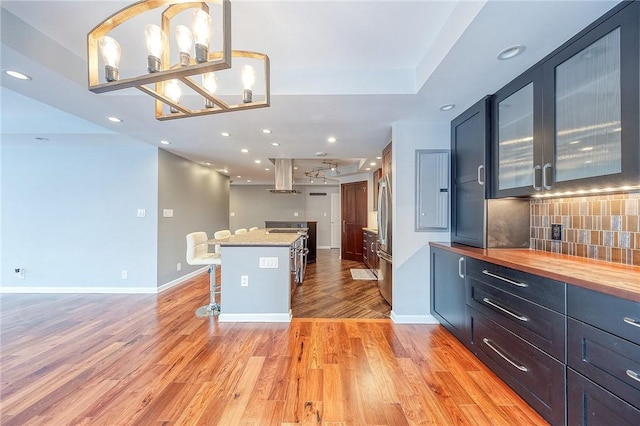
(259, 237)
(606, 277)
(372, 230)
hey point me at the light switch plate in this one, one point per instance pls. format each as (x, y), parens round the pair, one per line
(268, 263)
(167, 212)
(142, 212)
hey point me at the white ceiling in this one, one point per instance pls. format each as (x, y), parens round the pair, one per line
(347, 69)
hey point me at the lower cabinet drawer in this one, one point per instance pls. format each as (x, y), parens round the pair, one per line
(590, 404)
(536, 376)
(610, 361)
(536, 324)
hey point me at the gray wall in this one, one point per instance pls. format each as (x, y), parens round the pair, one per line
(199, 198)
(69, 213)
(251, 205)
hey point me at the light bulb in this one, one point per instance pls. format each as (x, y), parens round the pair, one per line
(248, 79)
(201, 33)
(173, 92)
(110, 49)
(210, 83)
(156, 39)
(185, 42)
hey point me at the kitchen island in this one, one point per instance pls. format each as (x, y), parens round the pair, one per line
(258, 276)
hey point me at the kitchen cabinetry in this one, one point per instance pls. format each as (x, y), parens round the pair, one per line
(517, 327)
(475, 220)
(312, 233)
(370, 250)
(447, 291)
(377, 175)
(386, 160)
(603, 351)
(571, 122)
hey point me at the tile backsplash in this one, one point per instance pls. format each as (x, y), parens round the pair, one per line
(604, 227)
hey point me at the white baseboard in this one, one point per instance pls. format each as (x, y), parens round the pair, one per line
(413, 319)
(254, 317)
(182, 279)
(102, 290)
(79, 290)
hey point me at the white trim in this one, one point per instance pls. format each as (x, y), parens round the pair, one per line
(182, 279)
(254, 317)
(413, 319)
(80, 290)
(324, 247)
(102, 290)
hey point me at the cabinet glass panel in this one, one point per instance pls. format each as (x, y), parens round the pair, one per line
(587, 107)
(515, 139)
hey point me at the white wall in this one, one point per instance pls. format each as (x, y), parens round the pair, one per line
(69, 214)
(251, 205)
(411, 271)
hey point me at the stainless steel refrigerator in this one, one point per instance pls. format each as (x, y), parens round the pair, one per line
(385, 273)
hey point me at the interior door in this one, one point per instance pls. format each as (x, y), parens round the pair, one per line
(354, 218)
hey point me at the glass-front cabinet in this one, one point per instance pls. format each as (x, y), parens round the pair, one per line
(572, 122)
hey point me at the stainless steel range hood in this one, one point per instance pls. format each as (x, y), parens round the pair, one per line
(284, 177)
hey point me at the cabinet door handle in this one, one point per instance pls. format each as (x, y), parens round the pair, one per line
(506, 311)
(631, 321)
(344, 225)
(505, 279)
(460, 273)
(480, 169)
(633, 375)
(489, 343)
(544, 176)
(536, 169)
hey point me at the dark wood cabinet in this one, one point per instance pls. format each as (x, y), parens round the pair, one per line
(386, 160)
(377, 175)
(369, 250)
(571, 121)
(447, 291)
(311, 242)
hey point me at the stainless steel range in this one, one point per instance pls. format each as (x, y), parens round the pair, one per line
(299, 250)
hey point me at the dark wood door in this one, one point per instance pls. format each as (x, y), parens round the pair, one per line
(354, 218)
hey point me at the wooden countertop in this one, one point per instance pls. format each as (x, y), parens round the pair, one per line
(257, 238)
(606, 277)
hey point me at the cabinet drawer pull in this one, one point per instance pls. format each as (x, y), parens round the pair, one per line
(480, 169)
(503, 356)
(535, 175)
(631, 321)
(506, 311)
(633, 375)
(544, 176)
(484, 271)
(460, 273)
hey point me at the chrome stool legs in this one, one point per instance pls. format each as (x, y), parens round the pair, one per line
(212, 308)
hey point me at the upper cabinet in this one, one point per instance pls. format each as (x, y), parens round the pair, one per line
(572, 121)
(386, 160)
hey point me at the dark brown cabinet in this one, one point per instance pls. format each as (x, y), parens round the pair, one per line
(370, 250)
(386, 160)
(447, 291)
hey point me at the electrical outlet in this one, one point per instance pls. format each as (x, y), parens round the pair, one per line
(556, 232)
(19, 272)
(244, 280)
(178, 266)
(124, 274)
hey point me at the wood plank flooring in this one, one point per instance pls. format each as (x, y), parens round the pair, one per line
(148, 360)
(328, 291)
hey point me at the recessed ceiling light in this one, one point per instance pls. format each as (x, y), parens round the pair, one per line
(267, 169)
(225, 134)
(275, 144)
(510, 52)
(225, 171)
(18, 75)
(165, 142)
(378, 158)
(248, 180)
(257, 161)
(447, 107)
(321, 154)
(368, 168)
(331, 139)
(373, 163)
(244, 150)
(266, 131)
(239, 177)
(295, 168)
(114, 119)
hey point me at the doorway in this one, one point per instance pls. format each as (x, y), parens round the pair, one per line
(354, 218)
(335, 221)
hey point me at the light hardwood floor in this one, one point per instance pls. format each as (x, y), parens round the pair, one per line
(148, 360)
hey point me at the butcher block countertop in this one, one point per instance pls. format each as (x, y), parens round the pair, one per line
(606, 277)
(258, 238)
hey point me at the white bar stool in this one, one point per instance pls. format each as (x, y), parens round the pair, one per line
(198, 254)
